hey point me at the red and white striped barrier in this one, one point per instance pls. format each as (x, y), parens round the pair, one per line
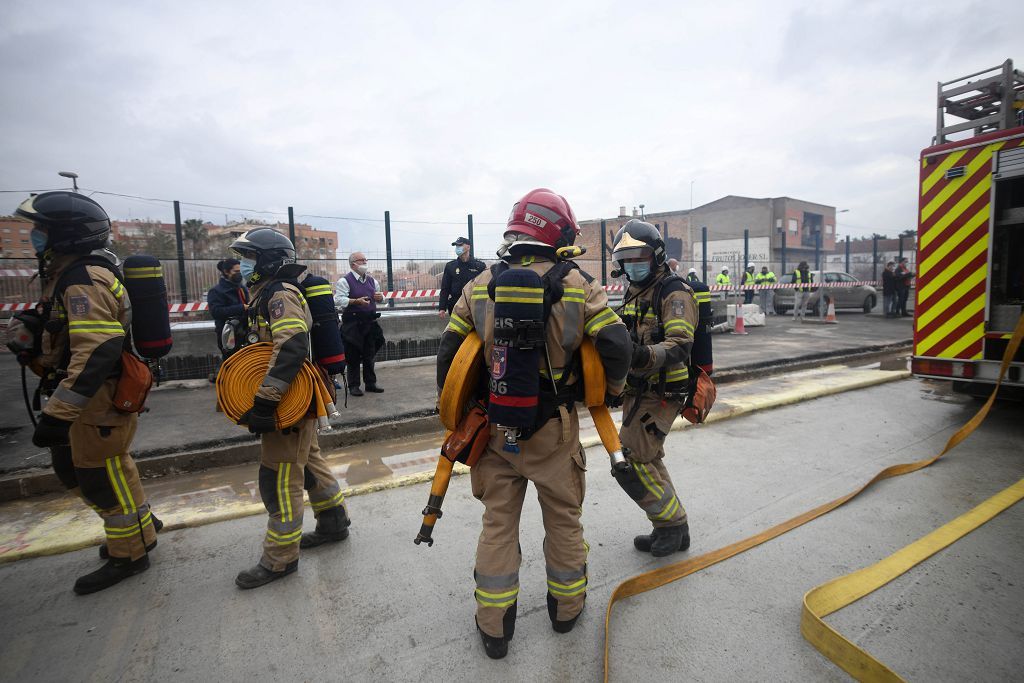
(197, 306)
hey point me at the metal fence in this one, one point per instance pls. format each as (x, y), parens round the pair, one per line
(419, 275)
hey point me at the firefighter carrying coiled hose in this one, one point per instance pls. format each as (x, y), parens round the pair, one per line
(272, 387)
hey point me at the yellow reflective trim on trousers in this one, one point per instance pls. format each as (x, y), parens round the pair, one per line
(558, 373)
(337, 499)
(647, 481)
(284, 539)
(288, 323)
(670, 509)
(124, 482)
(112, 477)
(602, 319)
(496, 599)
(568, 590)
(318, 290)
(147, 519)
(284, 500)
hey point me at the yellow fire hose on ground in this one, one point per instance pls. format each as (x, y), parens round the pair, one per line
(836, 594)
(457, 396)
(242, 373)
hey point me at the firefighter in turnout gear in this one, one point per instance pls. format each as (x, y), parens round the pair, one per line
(660, 311)
(88, 317)
(549, 454)
(290, 459)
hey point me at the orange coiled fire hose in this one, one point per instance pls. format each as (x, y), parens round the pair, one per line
(242, 373)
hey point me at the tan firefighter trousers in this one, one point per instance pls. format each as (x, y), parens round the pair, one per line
(109, 482)
(288, 463)
(652, 487)
(554, 461)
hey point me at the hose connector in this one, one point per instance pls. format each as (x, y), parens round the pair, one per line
(618, 461)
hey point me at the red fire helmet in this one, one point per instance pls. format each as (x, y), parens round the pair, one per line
(545, 216)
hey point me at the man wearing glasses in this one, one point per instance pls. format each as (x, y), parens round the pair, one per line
(356, 295)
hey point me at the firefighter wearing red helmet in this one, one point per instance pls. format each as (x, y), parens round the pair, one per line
(660, 311)
(548, 453)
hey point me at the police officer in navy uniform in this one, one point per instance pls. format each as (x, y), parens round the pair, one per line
(456, 274)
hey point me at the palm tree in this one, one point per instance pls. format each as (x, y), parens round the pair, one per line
(194, 230)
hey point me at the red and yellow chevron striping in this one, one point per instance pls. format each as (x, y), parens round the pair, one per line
(953, 251)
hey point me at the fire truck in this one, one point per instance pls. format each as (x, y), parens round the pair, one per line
(970, 262)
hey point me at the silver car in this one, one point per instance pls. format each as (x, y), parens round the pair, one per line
(845, 295)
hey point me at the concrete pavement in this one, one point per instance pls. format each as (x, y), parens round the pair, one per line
(183, 419)
(378, 607)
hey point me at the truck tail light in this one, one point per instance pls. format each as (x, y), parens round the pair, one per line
(942, 368)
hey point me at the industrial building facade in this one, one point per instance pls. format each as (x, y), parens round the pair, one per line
(770, 221)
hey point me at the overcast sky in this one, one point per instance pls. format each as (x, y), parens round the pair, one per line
(433, 110)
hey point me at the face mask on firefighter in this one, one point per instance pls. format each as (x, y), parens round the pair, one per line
(637, 272)
(247, 267)
(39, 239)
(460, 250)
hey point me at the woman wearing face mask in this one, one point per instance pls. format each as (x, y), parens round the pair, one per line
(228, 298)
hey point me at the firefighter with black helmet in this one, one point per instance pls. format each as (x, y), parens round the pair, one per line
(547, 452)
(88, 318)
(660, 311)
(290, 459)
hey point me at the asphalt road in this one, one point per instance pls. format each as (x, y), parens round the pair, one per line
(378, 607)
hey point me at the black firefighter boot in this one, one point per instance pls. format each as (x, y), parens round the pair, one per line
(114, 571)
(664, 540)
(331, 527)
(497, 648)
(157, 526)
(260, 575)
(560, 626)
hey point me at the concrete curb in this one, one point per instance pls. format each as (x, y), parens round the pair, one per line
(245, 448)
(222, 454)
(723, 411)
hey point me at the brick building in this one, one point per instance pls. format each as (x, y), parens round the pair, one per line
(14, 238)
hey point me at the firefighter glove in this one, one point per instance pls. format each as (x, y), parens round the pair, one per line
(51, 431)
(612, 400)
(641, 356)
(261, 417)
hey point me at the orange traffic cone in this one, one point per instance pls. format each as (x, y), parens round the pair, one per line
(739, 328)
(830, 312)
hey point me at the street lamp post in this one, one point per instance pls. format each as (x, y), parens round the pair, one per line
(72, 175)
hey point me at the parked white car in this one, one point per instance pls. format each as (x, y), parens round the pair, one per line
(845, 295)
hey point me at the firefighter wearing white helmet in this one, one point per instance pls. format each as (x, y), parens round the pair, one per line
(660, 312)
(548, 451)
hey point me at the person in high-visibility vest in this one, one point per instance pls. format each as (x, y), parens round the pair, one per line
(766, 277)
(748, 281)
(802, 278)
(723, 278)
